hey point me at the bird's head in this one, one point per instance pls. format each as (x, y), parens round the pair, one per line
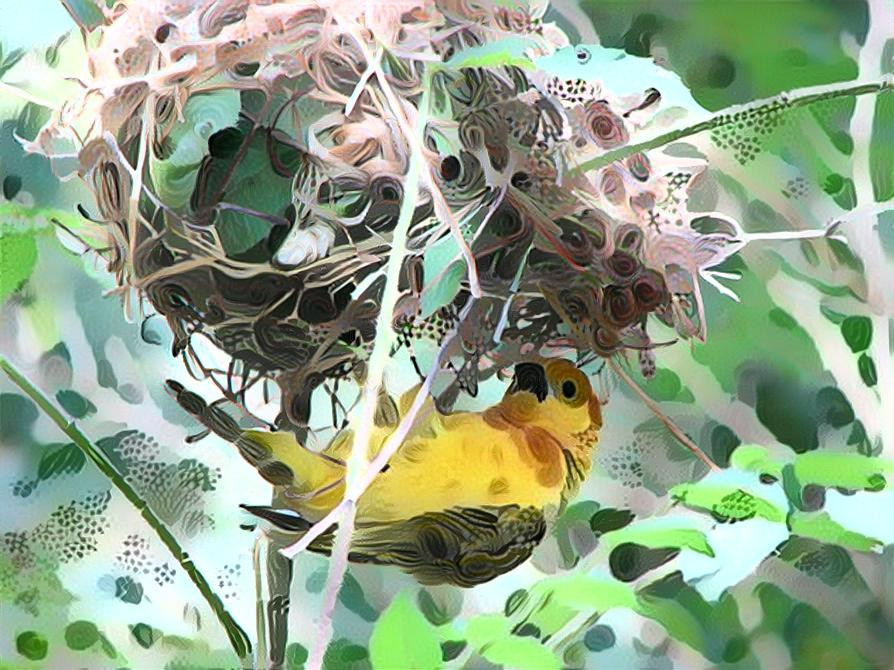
(555, 395)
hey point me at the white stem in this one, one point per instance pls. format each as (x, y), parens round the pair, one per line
(863, 235)
(360, 472)
(26, 96)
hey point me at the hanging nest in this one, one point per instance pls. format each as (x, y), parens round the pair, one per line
(248, 160)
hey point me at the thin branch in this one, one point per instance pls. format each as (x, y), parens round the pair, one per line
(238, 639)
(26, 96)
(257, 555)
(799, 97)
(358, 468)
(864, 234)
(671, 426)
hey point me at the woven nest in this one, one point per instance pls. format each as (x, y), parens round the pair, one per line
(248, 159)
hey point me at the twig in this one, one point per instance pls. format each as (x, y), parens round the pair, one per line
(238, 639)
(799, 97)
(26, 96)
(864, 234)
(260, 620)
(671, 426)
(358, 468)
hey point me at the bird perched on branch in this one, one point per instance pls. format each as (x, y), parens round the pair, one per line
(466, 497)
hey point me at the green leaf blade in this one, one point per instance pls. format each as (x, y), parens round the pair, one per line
(403, 638)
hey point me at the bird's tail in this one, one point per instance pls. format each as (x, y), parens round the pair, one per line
(213, 418)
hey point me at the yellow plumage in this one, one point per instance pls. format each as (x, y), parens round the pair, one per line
(465, 497)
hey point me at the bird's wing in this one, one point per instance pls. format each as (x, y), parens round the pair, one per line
(463, 546)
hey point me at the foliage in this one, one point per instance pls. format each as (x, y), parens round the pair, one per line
(655, 564)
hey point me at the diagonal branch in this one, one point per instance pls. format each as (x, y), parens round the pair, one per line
(359, 472)
(238, 639)
(800, 97)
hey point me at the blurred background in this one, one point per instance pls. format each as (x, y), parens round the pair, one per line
(83, 580)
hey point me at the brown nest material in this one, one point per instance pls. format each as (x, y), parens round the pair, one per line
(248, 161)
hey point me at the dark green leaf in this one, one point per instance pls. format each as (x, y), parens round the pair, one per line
(606, 520)
(67, 459)
(12, 184)
(32, 645)
(80, 635)
(857, 332)
(867, 370)
(128, 590)
(296, 656)
(599, 638)
(143, 634)
(75, 404)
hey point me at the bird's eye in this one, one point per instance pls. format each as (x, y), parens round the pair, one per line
(569, 389)
(582, 55)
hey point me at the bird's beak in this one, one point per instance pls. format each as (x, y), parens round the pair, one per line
(530, 377)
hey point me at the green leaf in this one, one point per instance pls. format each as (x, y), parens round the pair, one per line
(726, 503)
(857, 332)
(591, 593)
(144, 635)
(67, 459)
(80, 635)
(524, 653)
(820, 526)
(402, 638)
(881, 148)
(85, 12)
(75, 404)
(868, 373)
(485, 628)
(659, 534)
(849, 471)
(296, 656)
(128, 590)
(439, 606)
(18, 256)
(32, 645)
(502, 53)
(665, 385)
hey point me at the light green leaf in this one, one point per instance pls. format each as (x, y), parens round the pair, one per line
(850, 471)
(502, 53)
(592, 593)
(485, 628)
(402, 638)
(820, 526)
(18, 255)
(523, 653)
(726, 502)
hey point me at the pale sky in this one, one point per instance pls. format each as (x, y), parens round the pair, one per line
(26, 23)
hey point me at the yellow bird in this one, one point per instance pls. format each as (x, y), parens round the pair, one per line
(466, 497)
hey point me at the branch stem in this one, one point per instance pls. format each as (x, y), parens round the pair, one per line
(682, 438)
(799, 97)
(358, 466)
(238, 639)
